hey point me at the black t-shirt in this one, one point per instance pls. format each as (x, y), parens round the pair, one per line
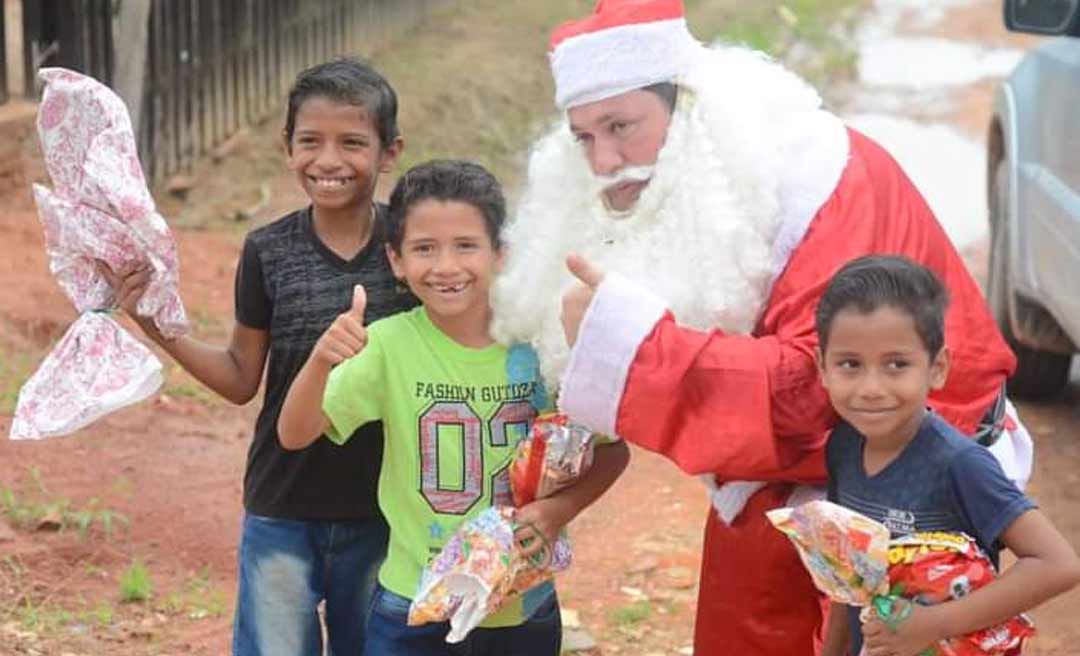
(290, 284)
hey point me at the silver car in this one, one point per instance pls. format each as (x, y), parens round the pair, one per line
(1034, 198)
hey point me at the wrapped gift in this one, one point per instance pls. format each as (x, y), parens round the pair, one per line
(477, 571)
(851, 559)
(99, 208)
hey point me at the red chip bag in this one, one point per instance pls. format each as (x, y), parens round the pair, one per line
(846, 556)
(554, 455)
(932, 568)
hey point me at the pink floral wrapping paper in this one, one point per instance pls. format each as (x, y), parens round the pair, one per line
(98, 209)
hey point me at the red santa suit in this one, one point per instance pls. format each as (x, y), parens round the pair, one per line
(752, 408)
(700, 343)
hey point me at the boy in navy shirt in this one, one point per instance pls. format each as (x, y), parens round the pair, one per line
(880, 329)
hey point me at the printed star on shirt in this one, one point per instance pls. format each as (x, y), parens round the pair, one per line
(435, 531)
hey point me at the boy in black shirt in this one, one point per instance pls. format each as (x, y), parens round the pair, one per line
(312, 530)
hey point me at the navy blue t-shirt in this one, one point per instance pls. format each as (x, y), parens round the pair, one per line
(941, 481)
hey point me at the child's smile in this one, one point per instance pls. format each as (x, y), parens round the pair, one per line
(336, 153)
(879, 373)
(448, 260)
(331, 183)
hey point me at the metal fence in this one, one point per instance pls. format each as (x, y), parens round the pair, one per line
(214, 66)
(209, 67)
(74, 34)
(3, 59)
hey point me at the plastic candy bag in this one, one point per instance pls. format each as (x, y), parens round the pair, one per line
(98, 209)
(477, 571)
(846, 553)
(481, 567)
(851, 559)
(554, 455)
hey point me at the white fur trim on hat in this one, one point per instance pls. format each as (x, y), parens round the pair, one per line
(597, 65)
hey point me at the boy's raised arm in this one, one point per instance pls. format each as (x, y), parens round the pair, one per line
(1046, 566)
(302, 420)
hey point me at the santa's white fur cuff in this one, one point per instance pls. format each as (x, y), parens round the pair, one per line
(621, 316)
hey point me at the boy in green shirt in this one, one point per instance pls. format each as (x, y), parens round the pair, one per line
(451, 417)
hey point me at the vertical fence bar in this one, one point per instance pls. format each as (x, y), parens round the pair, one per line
(3, 59)
(157, 139)
(218, 65)
(184, 79)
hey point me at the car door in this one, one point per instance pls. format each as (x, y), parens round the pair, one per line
(1050, 179)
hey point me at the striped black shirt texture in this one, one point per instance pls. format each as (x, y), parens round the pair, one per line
(290, 284)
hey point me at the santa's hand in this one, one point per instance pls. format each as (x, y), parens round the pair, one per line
(577, 299)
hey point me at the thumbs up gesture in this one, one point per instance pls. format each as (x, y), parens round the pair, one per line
(346, 336)
(577, 299)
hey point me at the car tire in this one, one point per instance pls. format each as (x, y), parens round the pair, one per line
(1039, 374)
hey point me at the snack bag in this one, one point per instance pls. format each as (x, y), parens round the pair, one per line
(478, 570)
(554, 455)
(98, 209)
(931, 568)
(850, 559)
(846, 553)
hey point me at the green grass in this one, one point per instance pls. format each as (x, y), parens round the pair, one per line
(182, 385)
(813, 37)
(630, 614)
(198, 599)
(101, 614)
(27, 509)
(135, 583)
(15, 368)
(46, 618)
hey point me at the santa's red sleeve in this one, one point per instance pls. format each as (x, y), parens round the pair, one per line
(752, 407)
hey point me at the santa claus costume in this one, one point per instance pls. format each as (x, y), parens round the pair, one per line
(700, 343)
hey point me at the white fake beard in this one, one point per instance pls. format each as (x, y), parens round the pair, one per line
(700, 235)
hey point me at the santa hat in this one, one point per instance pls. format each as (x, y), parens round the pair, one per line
(624, 45)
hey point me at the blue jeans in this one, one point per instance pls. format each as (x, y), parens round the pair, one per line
(287, 567)
(388, 633)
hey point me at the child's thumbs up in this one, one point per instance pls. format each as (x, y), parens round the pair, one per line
(359, 301)
(347, 336)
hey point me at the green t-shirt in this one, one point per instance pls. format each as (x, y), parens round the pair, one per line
(451, 421)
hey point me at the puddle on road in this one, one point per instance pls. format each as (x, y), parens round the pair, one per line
(922, 63)
(901, 76)
(948, 168)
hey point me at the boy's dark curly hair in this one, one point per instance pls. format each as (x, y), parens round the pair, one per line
(447, 180)
(875, 281)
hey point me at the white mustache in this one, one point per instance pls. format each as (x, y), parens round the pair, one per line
(628, 174)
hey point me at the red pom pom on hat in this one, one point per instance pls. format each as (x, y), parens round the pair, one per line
(623, 45)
